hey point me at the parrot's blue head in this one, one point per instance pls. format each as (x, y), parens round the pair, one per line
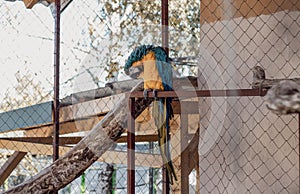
(137, 54)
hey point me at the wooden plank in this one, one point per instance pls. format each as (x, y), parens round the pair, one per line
(140, 138)
(30, 3)
(116, 157)
(74, 140)
(45, 140)
(141, 159)
(216, 10)
(90, 108)
(26, 117)
(109, 90)
(33, 148)
(10, 165)
(78, 125)
(40, 131)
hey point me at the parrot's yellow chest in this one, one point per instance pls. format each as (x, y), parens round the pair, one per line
(152, 79)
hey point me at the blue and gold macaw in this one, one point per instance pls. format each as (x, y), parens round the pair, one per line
(153, 65)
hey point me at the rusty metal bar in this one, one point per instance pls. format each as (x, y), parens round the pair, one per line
(131, 148)
(165, 24)
(165, 45)
(151, 171)
(204, 93)
(56, 81)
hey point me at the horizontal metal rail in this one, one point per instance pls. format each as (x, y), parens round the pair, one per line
(203, 93)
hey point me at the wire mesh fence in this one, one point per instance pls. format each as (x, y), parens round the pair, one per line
(250, 149)
(241, 147)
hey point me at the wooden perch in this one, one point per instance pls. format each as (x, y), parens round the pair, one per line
(283, 96)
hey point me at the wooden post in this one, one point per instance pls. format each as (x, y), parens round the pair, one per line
(184, 163)
(10, 165)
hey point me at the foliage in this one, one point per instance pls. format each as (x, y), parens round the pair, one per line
(122, 25)
(27, 92)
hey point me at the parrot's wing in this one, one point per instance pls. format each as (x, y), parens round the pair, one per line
(164, 67)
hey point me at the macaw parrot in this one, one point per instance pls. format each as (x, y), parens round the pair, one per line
(153, 65)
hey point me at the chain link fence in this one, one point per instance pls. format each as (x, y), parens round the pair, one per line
(245, 148)
(241, 147)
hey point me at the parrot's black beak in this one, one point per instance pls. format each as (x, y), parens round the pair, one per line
(134, 72)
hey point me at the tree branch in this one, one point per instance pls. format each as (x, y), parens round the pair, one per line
(283, 95)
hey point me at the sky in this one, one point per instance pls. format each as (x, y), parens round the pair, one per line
(25, 41)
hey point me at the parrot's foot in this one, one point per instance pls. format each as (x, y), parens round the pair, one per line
(145, 93)
(155, 94)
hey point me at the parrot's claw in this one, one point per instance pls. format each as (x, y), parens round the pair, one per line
(155, 94)
(145, 93)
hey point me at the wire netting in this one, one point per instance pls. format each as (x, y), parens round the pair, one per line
(245, 148)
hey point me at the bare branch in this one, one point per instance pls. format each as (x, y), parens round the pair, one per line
(283, 96)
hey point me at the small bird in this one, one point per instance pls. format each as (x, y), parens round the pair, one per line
(258, 73)
(258, 77)
(153, 65)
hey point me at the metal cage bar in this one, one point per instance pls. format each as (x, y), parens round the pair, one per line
(131, 148)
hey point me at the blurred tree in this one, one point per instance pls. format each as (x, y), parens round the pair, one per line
(28, 91)
(122, 25)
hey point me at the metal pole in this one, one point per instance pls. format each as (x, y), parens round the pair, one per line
(165, 45)
(131, 148)
(165, 24)
(151, 174)
(56, 81)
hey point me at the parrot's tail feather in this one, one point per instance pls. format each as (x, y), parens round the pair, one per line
(162, 112)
